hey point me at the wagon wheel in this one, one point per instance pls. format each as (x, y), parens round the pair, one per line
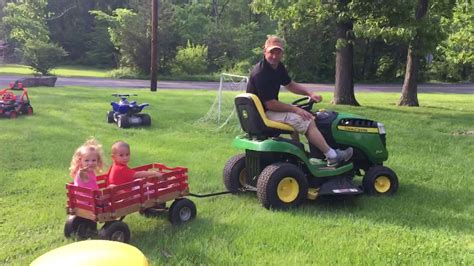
(79, 227)
(115, 231)
(181, 211)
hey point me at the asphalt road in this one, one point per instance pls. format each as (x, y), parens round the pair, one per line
(463, 88)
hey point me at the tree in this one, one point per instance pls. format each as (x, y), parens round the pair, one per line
(25, 22)
(296, 14)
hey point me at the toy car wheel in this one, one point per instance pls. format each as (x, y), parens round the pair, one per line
(122, 122)
(181, 211)
(29, 110)
(281, 186)
(235, 173)
(12, 115)
(79, 227)
(146, 120)
(115, 231)
(380, 180)
(154, 211)
(110, 117)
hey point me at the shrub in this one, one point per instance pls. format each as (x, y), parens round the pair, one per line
(42, 56)
(191, 59)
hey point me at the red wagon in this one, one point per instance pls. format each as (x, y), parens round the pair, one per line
(109, 205)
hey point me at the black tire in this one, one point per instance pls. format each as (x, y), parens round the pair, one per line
(154, 211)
(79, 227)
(122, 121)
(115, 231)
(146, 120)
(110, 117)
(235, 173)
(282, 186)
(181, 211)
(380, 180)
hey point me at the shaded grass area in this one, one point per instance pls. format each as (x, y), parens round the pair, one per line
(430, 220)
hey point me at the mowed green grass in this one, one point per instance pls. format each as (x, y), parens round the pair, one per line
(63, 71)
(428, 222)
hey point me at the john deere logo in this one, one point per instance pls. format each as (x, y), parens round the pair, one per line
(244, 114)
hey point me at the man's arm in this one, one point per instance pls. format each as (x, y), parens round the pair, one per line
(297, 88)
(277, 106)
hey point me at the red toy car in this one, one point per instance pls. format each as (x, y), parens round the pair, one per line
(110, 205)
(14, 100)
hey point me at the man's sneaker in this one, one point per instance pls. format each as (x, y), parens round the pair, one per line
(342, 156)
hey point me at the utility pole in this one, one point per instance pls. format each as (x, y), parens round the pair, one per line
(154, 44)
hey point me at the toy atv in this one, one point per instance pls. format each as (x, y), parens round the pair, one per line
(283, 173)
(127, 114)
(110, 205)
(14, 101)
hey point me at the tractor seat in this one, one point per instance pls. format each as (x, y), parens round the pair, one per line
(253, 119)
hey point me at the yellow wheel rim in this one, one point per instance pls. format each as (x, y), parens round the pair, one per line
(288, 189)
(382, 184)
(243, 177)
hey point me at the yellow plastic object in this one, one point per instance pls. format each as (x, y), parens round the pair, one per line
(92, 253)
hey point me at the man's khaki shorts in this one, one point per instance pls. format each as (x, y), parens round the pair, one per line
(289, 118)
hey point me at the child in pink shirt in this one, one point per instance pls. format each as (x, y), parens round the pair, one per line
(87, 159)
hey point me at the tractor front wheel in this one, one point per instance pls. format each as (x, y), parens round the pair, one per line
(380, 180)
(115, 231)
(282, 186)
(235, 173)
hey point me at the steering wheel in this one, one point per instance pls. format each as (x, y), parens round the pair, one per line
(305, 103)
(8, 96)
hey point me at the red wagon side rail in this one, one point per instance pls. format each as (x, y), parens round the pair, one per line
(110, 203)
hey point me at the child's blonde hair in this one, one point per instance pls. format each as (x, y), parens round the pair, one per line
(91, 145)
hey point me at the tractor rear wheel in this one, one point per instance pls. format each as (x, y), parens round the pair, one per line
(380, 180)
(282, 186)
(115, 231)
(235, 173)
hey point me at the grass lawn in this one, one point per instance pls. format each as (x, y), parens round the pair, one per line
(63, 71)
(429, 222)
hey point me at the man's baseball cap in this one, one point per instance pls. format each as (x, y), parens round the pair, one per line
(273, 42)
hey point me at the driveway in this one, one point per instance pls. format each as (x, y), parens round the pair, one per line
(462, 88)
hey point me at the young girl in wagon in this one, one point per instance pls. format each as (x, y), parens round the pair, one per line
(86, 161)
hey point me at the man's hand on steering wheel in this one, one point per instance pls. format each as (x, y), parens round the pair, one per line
(315, 97)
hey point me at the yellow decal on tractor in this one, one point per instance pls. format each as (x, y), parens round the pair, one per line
(359, 129)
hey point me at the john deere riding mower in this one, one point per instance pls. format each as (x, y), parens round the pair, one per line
(284, 174)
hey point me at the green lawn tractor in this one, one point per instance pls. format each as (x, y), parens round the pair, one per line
(284, 174)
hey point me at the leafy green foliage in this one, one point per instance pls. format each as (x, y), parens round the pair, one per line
(42, 56)
(191, 59)
(130, 34)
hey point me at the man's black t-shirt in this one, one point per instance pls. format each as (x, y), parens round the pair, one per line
(265, 81)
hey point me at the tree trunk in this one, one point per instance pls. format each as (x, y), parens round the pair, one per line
(344, 89)
(409, 95)
(154, 45)
(410, 86)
